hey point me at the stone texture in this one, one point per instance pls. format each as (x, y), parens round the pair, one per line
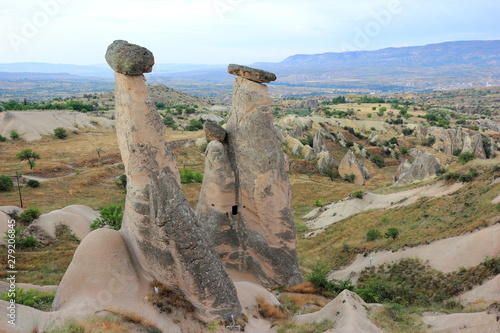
(319, 142)
(325, 162)
(245, 200)
(449, 140)
(253, 74)
(424, 166)
(129, 59)
(159, 226)
(297, 132)
(374, 138)
(350, 165)
(214, 132)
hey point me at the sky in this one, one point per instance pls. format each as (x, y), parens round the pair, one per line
(233, 31)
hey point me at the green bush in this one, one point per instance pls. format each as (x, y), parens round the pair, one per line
(392, 233)
(29, 215)
(33, 183)
(60, 132)
(332, 173)
(33, 298)
(378, 160)
(21, 240)
(457, 152)
(122, 183)
(350, 178)
(318, 203)
(6, 183)
(465, 157)
(111, 216)
(189, 176)
(372, 235)
(403, 150)
(358, 194)
(14, 135)
(194, 125)
(318, 277)
(407, 131)
(3, 138)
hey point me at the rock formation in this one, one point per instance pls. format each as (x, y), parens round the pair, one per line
(245, 200)
(325, 162)
(319, 142)
(159, 228)
(350, 165)
(449, 140)
(424, 166)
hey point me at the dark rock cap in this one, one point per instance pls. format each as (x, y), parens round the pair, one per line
(214, 131)
(253, 74)
(129, 59)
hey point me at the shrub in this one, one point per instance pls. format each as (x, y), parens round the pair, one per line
(194, 125)
(14, 135)
(350, 177)
(378, 160)
(122, 183)
(189, 176)
(33, 183)
(3, 138)
(111, 216)
(318, 203)
(465, 157)
(21, 239)
(403, 150)
(33, 298)
(6, 183)
(457, 152)
(60, 132)
(358, 194)
(392, 233)
(29, 215)
(373, 234)
(318, 277)
(332, 173)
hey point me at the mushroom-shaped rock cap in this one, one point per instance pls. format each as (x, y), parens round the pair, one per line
(129, 59)
(253, 74)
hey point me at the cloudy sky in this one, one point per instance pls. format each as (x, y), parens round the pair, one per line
(240, 31)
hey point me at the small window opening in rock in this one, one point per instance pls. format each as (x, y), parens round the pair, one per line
(235, 210)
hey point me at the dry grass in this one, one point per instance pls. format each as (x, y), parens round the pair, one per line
(267, 310)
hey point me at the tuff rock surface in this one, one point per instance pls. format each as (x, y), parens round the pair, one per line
(424, 166)
(351, 165)
(245, 200)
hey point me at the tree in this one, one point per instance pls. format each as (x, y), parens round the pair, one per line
(60, 132)
(392, 233)
(29, 155)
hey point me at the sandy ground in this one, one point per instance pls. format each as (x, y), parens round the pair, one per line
(322, 217)
(445, 254)
(31, 125)
(487, 292)
(481, 322)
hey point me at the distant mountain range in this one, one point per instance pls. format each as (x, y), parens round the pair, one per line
(436, 66)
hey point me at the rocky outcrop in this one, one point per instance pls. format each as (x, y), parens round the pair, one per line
(159, 228)
(350, 165)
(214, 131)
(424, 166)
(489, 124)
(319, 142)
(450, 140)
(325, 162)
(374, 138)
(245, 200)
